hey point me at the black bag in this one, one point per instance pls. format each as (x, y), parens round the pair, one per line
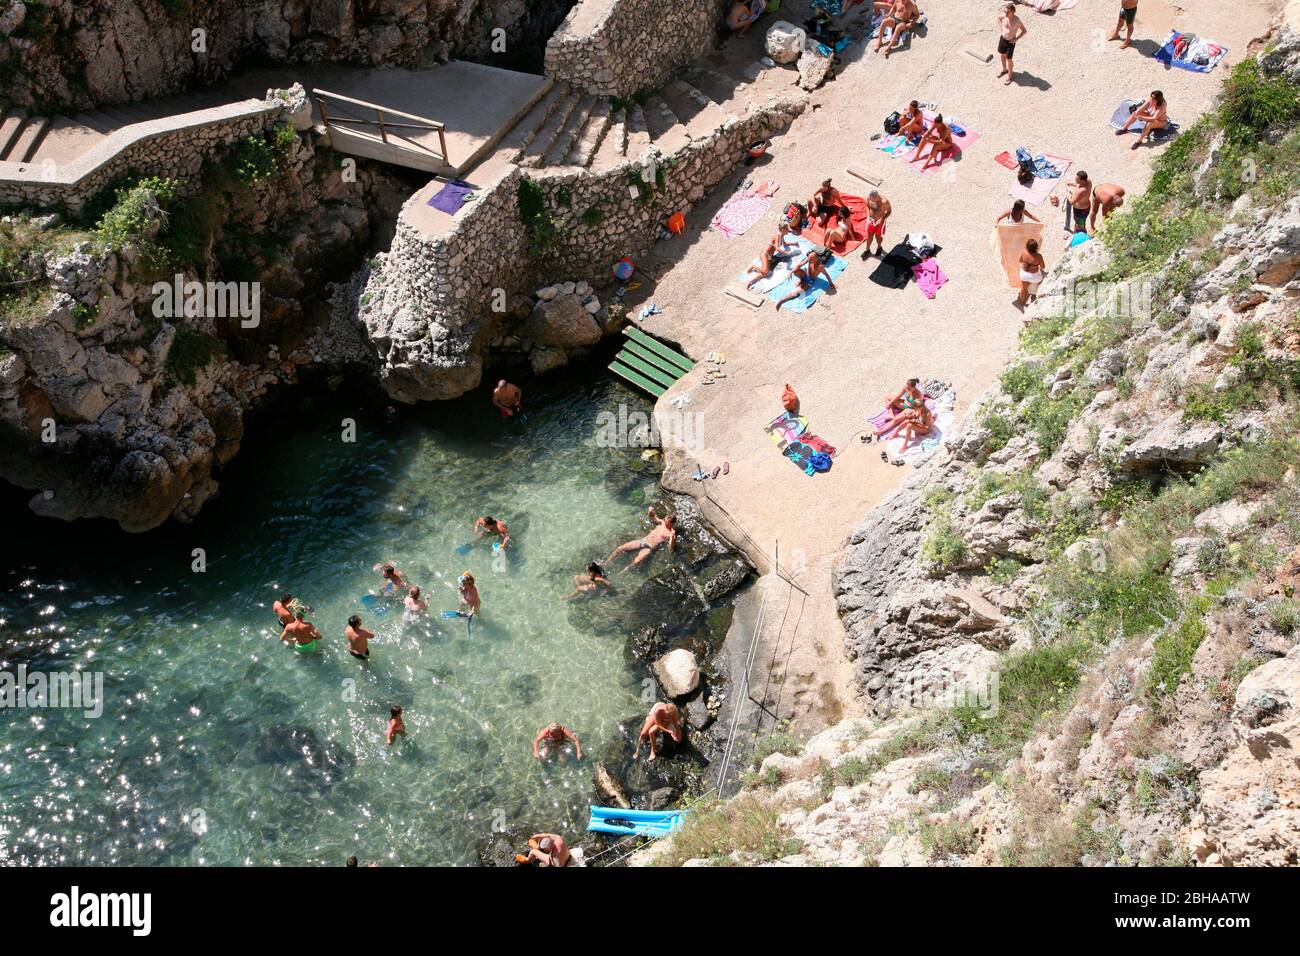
(892, 123)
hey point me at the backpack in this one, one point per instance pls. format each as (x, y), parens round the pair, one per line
(892, 122)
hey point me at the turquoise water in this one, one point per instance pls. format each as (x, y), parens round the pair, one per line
(219, 745)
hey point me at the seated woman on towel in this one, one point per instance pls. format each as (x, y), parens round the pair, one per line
(806, 273)
(908, 400)
(744, 14)
(911, 124)
(824, 203)
(1153, 115)
(1016, 214)
(777, 250)
(916, 424)
(939, 138)
(842, 232)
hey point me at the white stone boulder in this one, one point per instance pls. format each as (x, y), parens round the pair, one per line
(785, 41)
(677, 672)
(563, 322)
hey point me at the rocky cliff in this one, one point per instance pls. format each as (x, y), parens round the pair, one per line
(78, 54)
(112, 407)
(1077, 625)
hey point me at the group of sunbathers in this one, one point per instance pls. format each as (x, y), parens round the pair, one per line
(910, 417)
(825, 205)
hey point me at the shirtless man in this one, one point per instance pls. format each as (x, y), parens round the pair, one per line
(1010, 29)
(899, 14)
(824, 202)
(551, 739)
(468, 591)
(508, 399)
(665, 530)
(664, 718)
(805, 275)
(358, 638)
(1153, 114)
(592, 581)
(939, 138)
(879, 210)
(548, 849)
(394, 580)
(1078, 203)
(491, 525)
(1127, 14)
(282, 608)
(301, 633)
(1106, 198)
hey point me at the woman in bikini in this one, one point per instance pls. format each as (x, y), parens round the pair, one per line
(939, 138)
(911, 125)
(917, 423)
(1153, 115)
(1032, 269)
(908, 400)
(843, 230)
(1016, 214)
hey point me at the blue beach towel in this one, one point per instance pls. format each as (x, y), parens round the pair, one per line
(1166, 56)
(835, 267)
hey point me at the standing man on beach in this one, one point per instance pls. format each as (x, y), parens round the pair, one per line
(1011, 28)
(878, 211)
(1106, 198)
(1079, 204)
(1127, 14)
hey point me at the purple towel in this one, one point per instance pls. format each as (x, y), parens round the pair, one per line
(451, 196)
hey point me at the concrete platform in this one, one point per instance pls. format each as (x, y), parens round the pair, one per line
(476, 104)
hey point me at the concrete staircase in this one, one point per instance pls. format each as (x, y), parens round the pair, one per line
(568, 129)
(21, 135)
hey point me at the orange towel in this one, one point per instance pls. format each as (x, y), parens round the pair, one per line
(858, 215)
(1008, 241)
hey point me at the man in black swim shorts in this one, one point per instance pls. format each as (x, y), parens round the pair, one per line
(358, 639)
(1010, 29)
(1127, 14)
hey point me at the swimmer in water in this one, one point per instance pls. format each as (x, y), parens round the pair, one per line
(414, 603)
(301, 633)
(468, 591)
(551, 740)
(490, 525)
(282, 609)
(395, 725)
(665, 530)
(394, 580)
(546, 849)
(589, 583)
(358, 638)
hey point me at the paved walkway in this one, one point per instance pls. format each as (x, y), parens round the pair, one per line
(851, 349)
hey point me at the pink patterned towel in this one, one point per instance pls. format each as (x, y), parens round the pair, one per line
(740, 213)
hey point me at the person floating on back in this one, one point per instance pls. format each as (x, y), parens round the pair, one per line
(665, 530)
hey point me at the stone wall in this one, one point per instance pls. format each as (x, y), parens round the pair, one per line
(429, 304)
(617, 47)
(174, 146)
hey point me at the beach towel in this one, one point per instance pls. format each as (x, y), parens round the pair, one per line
(782, 269)
(786, 427)
(1045, 6)
(1042, 186)
(894, 143)
(739, 214)
(807, 297)
(1008, 241)
(1121, 115)
(1189, 52)
(858, 215)
(1005, 158)
(962, 138)
(929, 277)
(895, 270)
(451, 197)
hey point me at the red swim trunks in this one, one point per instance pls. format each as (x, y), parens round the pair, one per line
(876, 228)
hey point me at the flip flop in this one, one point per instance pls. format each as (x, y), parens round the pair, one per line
(884, 456)
(726, 467)
(715, 473)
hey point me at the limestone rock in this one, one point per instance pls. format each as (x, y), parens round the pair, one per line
(677, 673)
(563, 322)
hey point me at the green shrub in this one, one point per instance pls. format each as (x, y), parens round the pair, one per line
(191, 351)
(943, 546)
(1252, 104)
(1174, 649)
(135, 210)
(541, 228)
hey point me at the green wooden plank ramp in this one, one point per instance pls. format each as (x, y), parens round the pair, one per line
(649, 364)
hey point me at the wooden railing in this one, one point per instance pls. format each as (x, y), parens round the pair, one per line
(349, 114)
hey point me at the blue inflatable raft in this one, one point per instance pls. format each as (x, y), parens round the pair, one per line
(651, 823)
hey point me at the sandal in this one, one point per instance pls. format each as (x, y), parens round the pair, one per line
(884, 456)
